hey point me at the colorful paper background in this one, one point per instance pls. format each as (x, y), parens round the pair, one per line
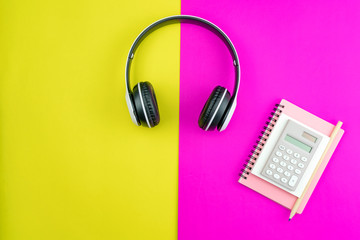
(73, 165)
(307, 52)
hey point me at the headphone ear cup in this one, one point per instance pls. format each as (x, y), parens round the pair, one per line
(130, 104)
(146, 105)
(214, 108)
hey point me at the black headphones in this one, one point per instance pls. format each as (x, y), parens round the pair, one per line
(142, 103)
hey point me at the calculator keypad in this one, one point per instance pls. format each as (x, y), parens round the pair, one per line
(286, 166)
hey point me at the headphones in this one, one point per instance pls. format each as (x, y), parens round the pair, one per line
(142, 103)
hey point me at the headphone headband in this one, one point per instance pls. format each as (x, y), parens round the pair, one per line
(183, 18)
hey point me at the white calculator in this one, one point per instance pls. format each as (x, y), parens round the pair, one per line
(291, 155)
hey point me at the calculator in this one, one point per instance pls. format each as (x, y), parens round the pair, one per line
(291, 155)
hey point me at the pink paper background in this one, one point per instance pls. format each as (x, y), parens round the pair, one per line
(304, 51)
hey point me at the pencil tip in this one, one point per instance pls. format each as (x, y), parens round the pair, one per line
(289, 219)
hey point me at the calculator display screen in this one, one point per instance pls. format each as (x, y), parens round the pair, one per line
(297, 143)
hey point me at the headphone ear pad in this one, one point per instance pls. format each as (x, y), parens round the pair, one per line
(146, 105)
(214, 108)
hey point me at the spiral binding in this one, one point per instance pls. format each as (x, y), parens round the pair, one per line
(260, 143)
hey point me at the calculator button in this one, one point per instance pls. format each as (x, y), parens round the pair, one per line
(304, 159)
(278, 154)
(297, 171)
(293, 180)
(293, 161)
(280, 170)
(269, 172)
(289, 151)
(284, 180)
(272, 166)
(296, 155)
(286, 157)
(282, 147)
(290, 167)
(275, 160)
(301, 165)
(282, 163)
(277, 176)
(286, 173)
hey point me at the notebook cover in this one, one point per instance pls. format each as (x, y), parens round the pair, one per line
(278, 195)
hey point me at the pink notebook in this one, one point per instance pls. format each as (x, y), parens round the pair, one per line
(277, 194)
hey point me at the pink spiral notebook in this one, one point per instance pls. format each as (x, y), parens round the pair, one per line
(273, 192)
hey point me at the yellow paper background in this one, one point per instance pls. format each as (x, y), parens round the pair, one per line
(72, 164)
